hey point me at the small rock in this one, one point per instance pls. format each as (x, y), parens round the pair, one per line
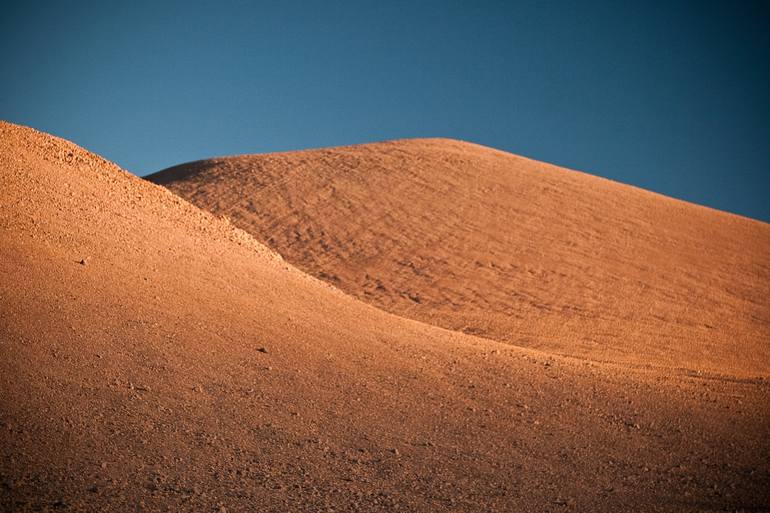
(262, 349)
(83, 261)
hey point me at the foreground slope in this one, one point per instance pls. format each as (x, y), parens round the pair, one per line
(482, 241)
(154, 358)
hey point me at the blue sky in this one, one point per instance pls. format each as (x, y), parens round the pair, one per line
(669, 96)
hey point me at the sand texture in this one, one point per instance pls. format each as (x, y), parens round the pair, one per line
(411, 326)
(484, 242)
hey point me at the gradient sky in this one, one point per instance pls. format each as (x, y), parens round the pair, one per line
(669, 96)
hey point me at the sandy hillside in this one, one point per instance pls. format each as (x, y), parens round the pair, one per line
(488, 243)
(155, 358)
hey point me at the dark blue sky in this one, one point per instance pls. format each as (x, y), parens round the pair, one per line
(670, 96)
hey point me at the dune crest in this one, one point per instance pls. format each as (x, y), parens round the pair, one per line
(484, 242)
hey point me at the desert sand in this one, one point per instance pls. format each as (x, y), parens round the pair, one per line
(408, 326)
(481, 241)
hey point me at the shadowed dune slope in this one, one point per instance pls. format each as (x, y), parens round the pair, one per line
(155, 358)
(485, 242)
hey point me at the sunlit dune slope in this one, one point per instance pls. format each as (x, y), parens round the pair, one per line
(485, 242)
(155, 358)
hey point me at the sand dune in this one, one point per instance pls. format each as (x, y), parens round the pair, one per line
(481, 241)
(153, 357)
